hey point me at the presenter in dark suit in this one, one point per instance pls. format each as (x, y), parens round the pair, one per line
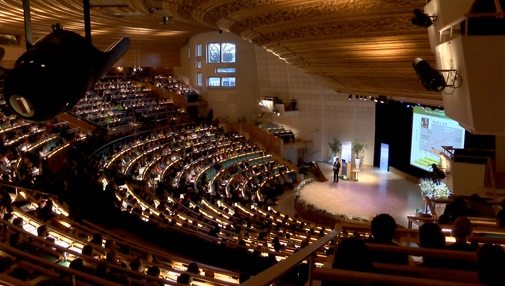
(336, 168)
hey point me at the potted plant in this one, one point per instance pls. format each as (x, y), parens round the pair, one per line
(335, 147)
(357, 150)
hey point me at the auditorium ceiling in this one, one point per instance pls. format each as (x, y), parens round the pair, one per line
(362, 47)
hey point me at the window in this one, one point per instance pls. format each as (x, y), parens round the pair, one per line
(214, 53)
(198, 64)
(214, 81)
(199, 79)
(221, 53)
(228, 81)
(198, 51)
(221, 81)
(228, 52)
(225, 70)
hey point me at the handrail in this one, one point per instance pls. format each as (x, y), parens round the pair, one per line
(140, 133)
(55, 266)
(467, 16)
(365, 278)
(289, 263)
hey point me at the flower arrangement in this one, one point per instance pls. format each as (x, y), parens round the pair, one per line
(309, 206)
(434, 188)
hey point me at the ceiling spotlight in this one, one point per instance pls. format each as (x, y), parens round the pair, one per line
(355, 96)
(422, 19)
(166, 18)
(375, 99)
(350, 96)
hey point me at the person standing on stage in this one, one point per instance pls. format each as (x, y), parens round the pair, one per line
(336, 168)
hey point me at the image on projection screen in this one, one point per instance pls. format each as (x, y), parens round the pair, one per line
(431, 130)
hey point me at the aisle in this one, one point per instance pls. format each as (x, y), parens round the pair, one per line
(376, 192)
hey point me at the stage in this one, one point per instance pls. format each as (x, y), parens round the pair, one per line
(376, 192)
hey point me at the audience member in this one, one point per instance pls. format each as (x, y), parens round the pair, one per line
(457, 208)
(352, 254)
(431, 236)
(193, 268)
(137, 265)
(461, 230)
(383, 230)
(480, 207)
(491, 265)
(500, 217)
(184, 278)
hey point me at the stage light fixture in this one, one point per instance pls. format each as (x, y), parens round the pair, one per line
(422, 19)
(350, 96)
(432, 79)
(53, 74)
(375, 99)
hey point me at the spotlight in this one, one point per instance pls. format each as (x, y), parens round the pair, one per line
(220, 31)
(375, 99)
(431, 79)
(422, 19)
(52, 75)
(355, 96)
(350, 96)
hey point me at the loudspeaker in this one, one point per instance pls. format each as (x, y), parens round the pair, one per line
(431, 79)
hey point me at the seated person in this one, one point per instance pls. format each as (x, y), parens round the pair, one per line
(491, 265)
(457, 208)
(431, 236)
(461, 230)
(500, 217)
(352, 254)
(383, 230)
(480, 207)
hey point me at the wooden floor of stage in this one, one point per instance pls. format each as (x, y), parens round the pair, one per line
(375, 192)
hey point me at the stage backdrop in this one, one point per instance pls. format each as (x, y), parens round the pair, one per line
(393, 126)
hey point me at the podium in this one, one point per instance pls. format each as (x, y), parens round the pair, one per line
(346, 169)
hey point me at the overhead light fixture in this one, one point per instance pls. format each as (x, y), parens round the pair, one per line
(432, 79)
(166, 18)
(375, 99)
(422, 19)
(350, 96)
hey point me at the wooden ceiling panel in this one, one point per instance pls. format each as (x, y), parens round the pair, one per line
(356, 46)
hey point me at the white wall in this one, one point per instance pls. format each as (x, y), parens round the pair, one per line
(235, 103)
(324, 113)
